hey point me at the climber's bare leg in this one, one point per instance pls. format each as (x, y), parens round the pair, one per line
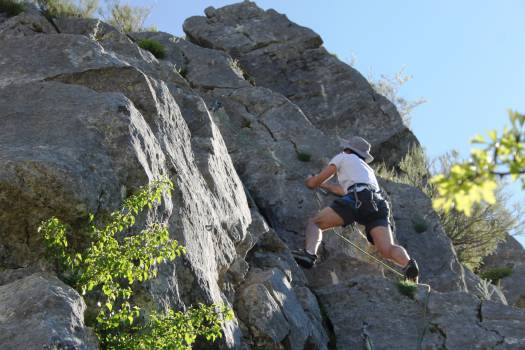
(324, 220)
(384, 243)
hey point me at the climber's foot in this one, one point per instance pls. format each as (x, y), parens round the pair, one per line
(411, 271)
(304, 259)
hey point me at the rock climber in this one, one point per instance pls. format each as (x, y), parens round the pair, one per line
(360, 201)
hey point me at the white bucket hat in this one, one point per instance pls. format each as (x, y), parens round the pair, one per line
(360, 146)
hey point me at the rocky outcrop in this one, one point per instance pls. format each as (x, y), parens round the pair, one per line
(30, 22)
(287, 58)
(370, 310)
(237, 116)
(114, 129)
(509, 254)
(41, 312)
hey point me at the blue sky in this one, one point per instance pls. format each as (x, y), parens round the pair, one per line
(466, 57)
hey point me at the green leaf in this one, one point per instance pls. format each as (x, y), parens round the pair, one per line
(477, 139)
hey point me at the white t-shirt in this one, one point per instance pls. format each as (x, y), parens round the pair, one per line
(352, 170)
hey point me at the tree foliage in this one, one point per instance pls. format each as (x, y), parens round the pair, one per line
(475, 180)
(477, 235)
(114, 261)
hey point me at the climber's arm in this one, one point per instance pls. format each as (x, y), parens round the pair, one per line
(314, 181)
(334, 188)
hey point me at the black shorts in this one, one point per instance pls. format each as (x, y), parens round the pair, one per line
(373, 211)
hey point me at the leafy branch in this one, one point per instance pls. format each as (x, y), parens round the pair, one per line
(114, 261)
(475, 180)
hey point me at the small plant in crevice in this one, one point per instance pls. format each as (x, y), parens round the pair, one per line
(157, 49)
(246, 124)
(11, 7)
(497, 273)
(407, 288)
(114, 262)
(484, 290)
(183, 71)
(235, 65)
(304, 157)
(419, 224)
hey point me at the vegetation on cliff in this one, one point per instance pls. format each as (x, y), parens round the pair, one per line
(475, 180)
(112, 264)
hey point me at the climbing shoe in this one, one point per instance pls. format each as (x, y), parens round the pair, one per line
(411, 271)
(304, 259)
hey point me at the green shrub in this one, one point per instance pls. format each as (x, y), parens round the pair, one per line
(407, 288)
(412, 170)
(157, 49)
(183, 71)
(477, 235)
(304, 157)
(419, 224)
(68, 8)
(247, 124)
(115, 261)
(11, 7)
(496, 273)
(125, 17)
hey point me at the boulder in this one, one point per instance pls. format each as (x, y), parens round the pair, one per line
(121, 46)
(203, 68)
(57, 54)
(28, 23)
(40, 312)
(287, 58)
(275, 314)
(509, 254)
(371, 311)
(94, 147)
(63, 159)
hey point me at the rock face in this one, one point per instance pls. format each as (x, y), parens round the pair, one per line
(510, 254)
(237, 115)
(359, 306)
(40, 312)
(285, 57)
